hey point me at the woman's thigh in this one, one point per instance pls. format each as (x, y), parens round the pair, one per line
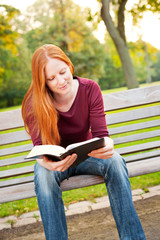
(95, 166)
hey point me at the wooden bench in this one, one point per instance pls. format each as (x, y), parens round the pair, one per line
(133, 118)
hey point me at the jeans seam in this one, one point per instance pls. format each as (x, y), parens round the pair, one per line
(35, 181)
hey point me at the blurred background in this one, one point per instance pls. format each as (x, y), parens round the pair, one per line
(88, 38)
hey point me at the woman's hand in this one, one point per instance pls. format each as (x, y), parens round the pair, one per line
(105, 152)
(59, 166)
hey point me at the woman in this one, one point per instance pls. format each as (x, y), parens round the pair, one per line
(61, 109)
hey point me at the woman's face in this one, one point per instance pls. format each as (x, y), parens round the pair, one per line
(58, 76)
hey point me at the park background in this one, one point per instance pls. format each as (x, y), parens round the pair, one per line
(76, 29)
(81, 33)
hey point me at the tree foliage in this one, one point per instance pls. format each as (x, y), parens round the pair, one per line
(142, 6)
(7, 37)
(7, 34)
(15, 60)
(67, 28)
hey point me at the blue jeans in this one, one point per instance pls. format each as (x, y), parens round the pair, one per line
(114, 171)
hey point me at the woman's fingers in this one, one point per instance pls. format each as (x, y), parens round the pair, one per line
(102, 155)
(65, 163)
(60, 166)
(105, 152)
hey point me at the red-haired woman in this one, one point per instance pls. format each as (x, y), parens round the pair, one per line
(61, 109)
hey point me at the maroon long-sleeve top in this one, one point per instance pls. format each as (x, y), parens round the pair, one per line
(85, 119)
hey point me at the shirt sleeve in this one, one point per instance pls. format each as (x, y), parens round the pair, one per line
(96, 112)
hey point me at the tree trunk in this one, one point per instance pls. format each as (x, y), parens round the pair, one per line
(149, 78)
(120, 43)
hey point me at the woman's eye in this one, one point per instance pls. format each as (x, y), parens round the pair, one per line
(51, 79)
(63, 72)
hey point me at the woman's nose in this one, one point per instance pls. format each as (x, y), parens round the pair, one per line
(60, 79)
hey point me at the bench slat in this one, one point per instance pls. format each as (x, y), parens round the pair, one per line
(18, 149)
(132, 97)
(133, 127)
(15, 160)
(132, 115)
(27, 190)
(140, 156)
(16, 181)
(14, 137)
(16, 172)
(18, 192)
(135, 137)
(144, 167)
(138, 147)
(11, 119)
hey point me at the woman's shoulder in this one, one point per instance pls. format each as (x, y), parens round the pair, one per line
(89, 88)
(87, 83)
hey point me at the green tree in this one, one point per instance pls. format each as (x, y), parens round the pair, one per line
(8, 52)
(113, 77)
(116, 28)
(17, 76)
(7, 37)
(155, 66)
(144, 56)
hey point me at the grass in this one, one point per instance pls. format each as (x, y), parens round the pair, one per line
(88, 193)
(9, 108)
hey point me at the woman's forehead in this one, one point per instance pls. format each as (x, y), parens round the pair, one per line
(54, 65)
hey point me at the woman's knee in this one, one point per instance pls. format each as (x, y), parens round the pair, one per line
(116, 165)
(45, 181)
(117, 160)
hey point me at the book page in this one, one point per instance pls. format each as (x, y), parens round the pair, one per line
(46, 150)
(71, 146)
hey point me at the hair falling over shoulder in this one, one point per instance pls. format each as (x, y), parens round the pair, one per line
(38, 111)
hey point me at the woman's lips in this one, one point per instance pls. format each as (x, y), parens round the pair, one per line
(64, 86)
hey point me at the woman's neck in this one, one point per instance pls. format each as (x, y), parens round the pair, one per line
(64, 102)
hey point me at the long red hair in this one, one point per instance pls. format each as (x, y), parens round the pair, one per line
(38, 102)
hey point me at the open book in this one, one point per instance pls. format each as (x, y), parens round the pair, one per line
(57, 153)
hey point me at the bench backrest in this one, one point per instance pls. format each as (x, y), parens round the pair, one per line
(133, 119)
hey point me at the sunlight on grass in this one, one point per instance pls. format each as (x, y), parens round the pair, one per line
(9, 108)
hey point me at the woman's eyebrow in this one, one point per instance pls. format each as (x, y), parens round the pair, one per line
(63, 68)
